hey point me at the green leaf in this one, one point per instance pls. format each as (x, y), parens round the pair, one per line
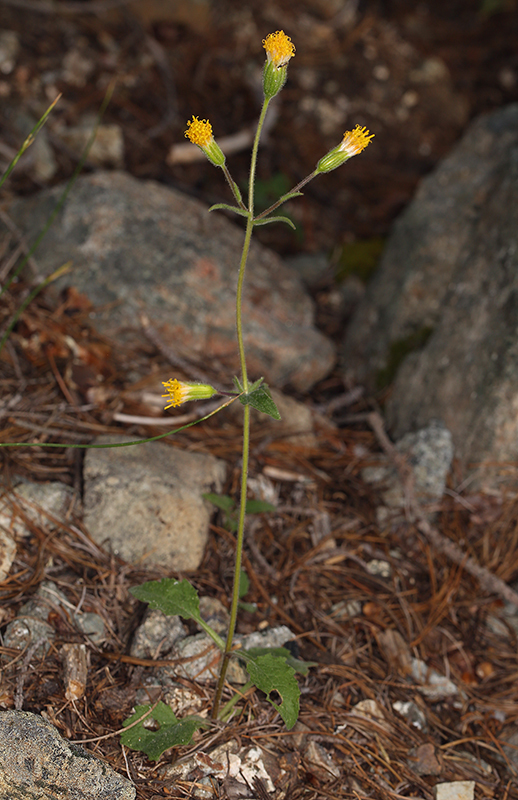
(241, 211)
(302, 667)
(171, 733)
(255, 385)
(244, 582)
(170, 596)
(228, 507)
(271, 673)
(237, 384)
(175, 597)
(251, 608)
(237, 192)
(221, 501)
(259, 507)
(261, 399)
(289, 196)
(267, 220)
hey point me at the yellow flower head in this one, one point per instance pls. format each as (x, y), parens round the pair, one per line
(355, 141)
(279, 48)
(179, 392)
(199, 131)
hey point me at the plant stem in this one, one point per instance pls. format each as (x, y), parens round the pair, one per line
(239, 695)
(28, 141)
(246, 417)
(232, 185)
(239, 304)
(296, 188)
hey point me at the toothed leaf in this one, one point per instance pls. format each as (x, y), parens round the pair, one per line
(298, 665)
(170, 596)
(272, 674)
(261, 399)
(171, 733)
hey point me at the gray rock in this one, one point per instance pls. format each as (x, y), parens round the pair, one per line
(9, 49)
(92, 625)
(198, 659)
(431, 683)
(448, 282)
(156, 635)
(146, 248)
(36, 763)
(25, 630)
(509, 736)
(429, 453)
(271, 637)
(30, 624)
(38, 502)
(412, 713)
(214, 613)
(455, 790)
(7, 553)
(145, 502)
(320, 762)
(107, 149)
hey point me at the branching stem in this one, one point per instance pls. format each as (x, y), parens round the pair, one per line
(246, 417)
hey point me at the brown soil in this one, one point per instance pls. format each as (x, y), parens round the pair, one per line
(414, 75)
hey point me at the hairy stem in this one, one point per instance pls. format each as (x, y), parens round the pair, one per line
(232, 185)
(246, 418)
(296, 188)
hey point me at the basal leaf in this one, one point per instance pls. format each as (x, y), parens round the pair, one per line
(272, 674)
(259, 507)
(171, 733)
(251, 608)
(221, 501)
(244, 583)
(302, 667)
(261, 399)
(170, 596)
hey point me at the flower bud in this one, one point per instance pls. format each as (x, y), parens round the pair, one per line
(352, 143)
(279, 49)
(179, 392)
(199, 132)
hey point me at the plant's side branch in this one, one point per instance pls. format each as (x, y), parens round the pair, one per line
(279, 202)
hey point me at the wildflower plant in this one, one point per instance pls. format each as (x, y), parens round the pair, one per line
(272, 670)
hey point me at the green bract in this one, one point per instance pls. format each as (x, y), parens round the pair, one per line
(334, 159)
(274, 79)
